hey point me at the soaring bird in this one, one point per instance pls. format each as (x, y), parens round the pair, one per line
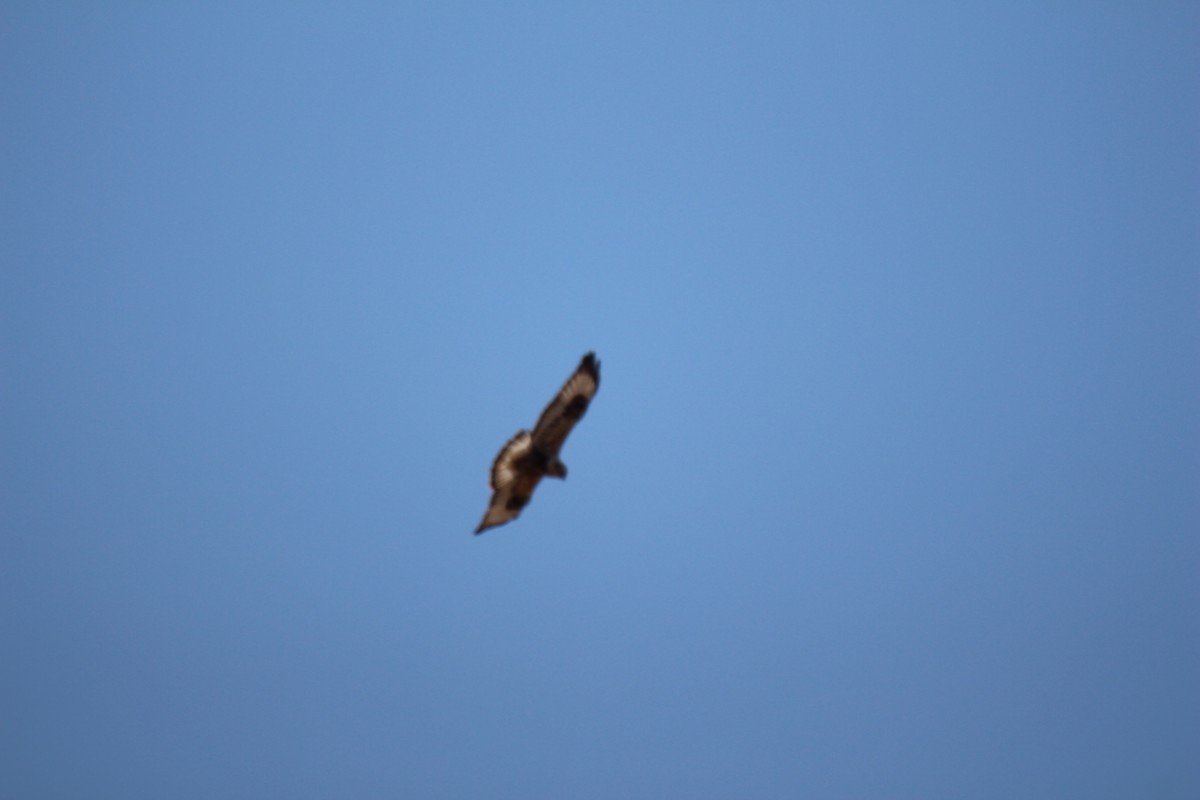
(529, 457)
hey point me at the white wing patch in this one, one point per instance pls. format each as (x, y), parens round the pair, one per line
(503, 472)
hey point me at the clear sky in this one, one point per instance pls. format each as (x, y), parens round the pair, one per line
(891, 488)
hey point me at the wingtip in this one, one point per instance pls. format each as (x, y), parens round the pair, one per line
(591, 364)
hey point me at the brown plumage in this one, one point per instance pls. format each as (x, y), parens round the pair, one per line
(529, 457)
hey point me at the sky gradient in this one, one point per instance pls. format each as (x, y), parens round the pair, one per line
(891, 488)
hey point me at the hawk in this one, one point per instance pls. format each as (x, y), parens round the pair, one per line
(529, 457)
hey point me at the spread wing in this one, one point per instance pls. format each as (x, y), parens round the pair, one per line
(513, 481)
(568, 407)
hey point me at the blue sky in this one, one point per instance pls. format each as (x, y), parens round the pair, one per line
(891, 488)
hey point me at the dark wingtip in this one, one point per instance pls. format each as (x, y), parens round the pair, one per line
(591, 366)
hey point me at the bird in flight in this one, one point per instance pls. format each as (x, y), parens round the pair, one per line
(529, 457)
